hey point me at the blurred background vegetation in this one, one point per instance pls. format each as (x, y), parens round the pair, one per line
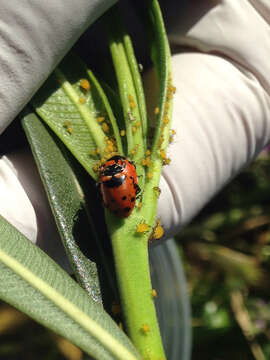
(226, 253)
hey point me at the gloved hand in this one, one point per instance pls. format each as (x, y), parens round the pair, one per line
(222, 104)
(34, 37)
(221, 115)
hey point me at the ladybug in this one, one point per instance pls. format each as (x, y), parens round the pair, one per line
(119, 187)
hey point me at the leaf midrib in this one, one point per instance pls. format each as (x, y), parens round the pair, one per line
(88, 118)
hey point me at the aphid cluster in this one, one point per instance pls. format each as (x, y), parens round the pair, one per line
(165, 121)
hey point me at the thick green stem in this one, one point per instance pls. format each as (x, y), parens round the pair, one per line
(132, 266)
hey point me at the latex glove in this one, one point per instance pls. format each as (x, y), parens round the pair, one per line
(222, 105)
(221, 110)
(34, 37)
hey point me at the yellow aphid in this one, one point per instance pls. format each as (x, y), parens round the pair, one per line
(130, 98)
(132, 104)
(70, 130)
(154, 293)
(146, 161)
(110, 148)
(160, 140)
(98, 150)
(173, 132)
(148, 152)
(165, 120)
(96, 167)
(92, 153)
(82, 100)
(134, 129)
(166, 161)
(173, 89)
(167, 105)
(143, 162)
(142, 227)
(162, 154)
(122, 132)
(116, 308)
(67, 123)
(157, 190)
(158, 231)
(121, 325)
(138, 124)
(169, 96)
(149, 175)
(105, 127)
(156, 111)
(139, 205)
(85, 84)
(145, 328)
(100, 119)
(134, 150)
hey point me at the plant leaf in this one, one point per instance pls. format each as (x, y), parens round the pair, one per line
(67, 201)
(36, 285)
(137, 80)
(160, 53)
(129, 85)
(72, 112)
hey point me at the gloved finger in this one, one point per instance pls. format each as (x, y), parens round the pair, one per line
(34, 37)
(222, 106)
(222, 121)
(24, 204)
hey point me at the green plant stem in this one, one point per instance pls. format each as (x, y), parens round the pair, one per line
(132, 267)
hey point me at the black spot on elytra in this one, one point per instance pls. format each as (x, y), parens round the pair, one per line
(124, 198)
(132, 199)
(127, 209)
(113, 200)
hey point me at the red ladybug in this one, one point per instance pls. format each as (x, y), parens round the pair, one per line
(119, 185)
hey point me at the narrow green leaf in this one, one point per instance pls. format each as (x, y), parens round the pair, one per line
(137, 80)
(34, 284)
(130, 88)
(67, 202)
(160, 53)
(73, 113)
(75, 69)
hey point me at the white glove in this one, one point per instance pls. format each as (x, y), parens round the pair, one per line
(34, 37)
(222, 105)
(221, 114)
